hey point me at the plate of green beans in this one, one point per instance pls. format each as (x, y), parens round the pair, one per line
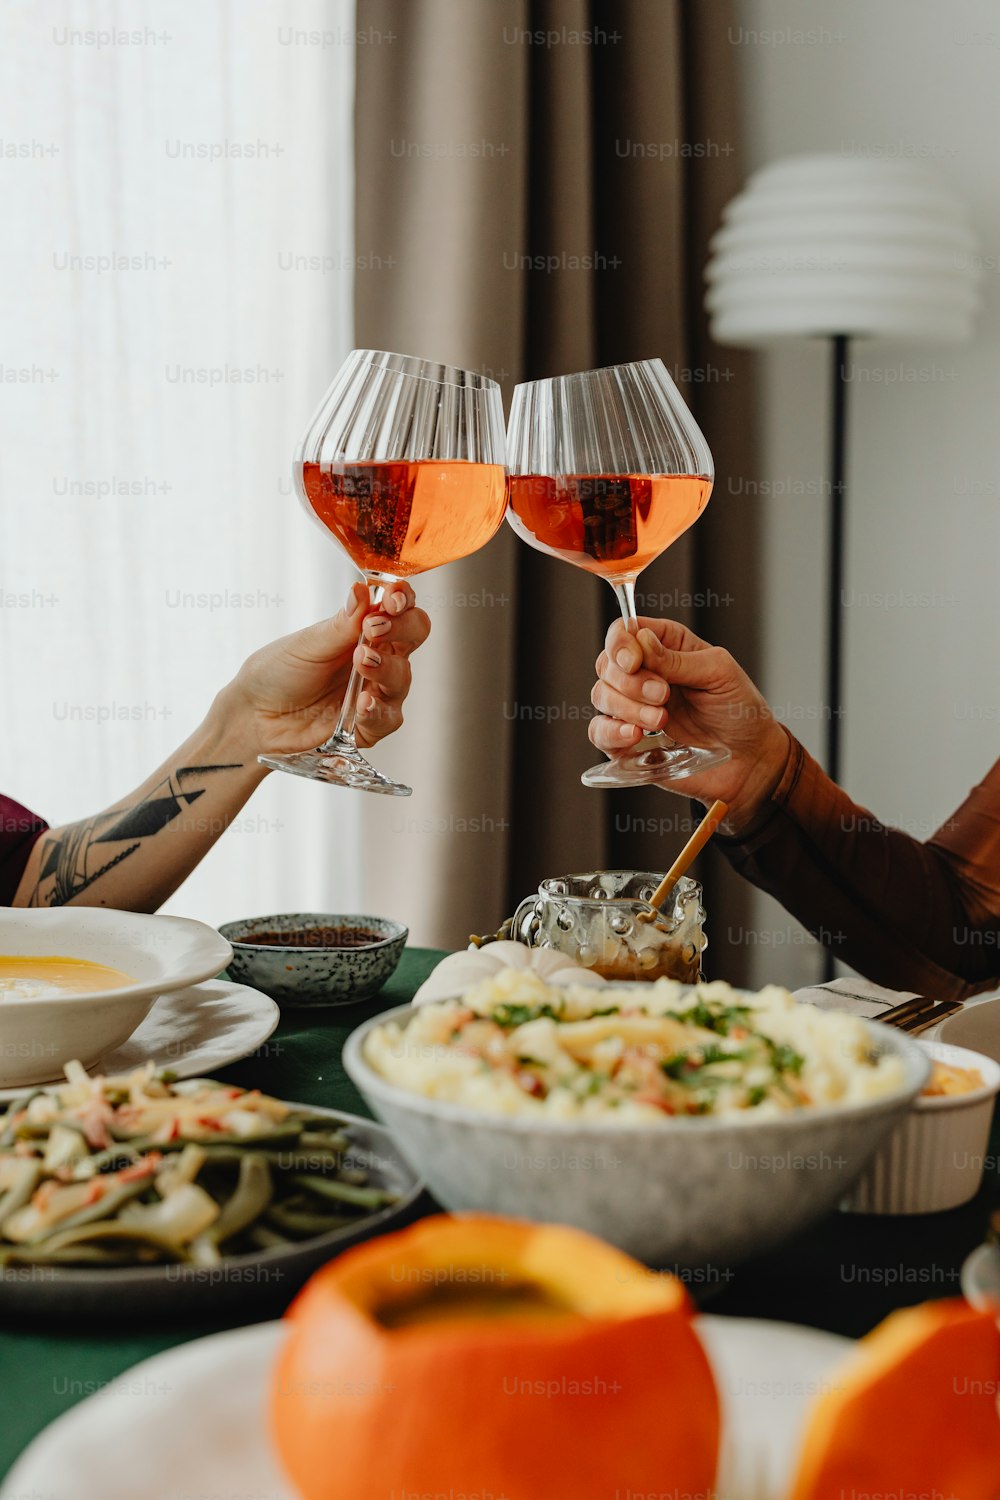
(140, 1194)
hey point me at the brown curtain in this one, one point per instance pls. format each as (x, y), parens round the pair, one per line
(536, 184)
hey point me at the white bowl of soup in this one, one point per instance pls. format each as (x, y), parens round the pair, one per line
(75, 982)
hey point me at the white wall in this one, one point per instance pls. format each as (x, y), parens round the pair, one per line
(918, 79)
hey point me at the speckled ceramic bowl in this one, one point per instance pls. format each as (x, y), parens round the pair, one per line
(697, 1192)
(314, 975)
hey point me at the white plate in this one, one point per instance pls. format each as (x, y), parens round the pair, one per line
(976, 1025)
(193, 1032)
(123, 1443)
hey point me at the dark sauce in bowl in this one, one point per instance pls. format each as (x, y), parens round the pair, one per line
(315, 937)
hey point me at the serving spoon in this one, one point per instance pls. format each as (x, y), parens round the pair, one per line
(687, 856)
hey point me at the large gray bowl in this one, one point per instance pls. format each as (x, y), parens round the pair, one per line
(674, 1193)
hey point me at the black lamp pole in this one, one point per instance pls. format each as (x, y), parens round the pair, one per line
(835, 607)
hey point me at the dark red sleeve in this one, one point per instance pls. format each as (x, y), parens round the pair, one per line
(19, 831)
(909, 915)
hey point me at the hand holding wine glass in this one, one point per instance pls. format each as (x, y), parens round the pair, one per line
(701, 692)
(608, 468)
(288, 695)
(403, 464)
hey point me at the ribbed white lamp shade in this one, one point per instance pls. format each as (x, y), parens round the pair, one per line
(826, 244)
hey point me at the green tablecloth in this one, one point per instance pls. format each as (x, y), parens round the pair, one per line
(843, 1275)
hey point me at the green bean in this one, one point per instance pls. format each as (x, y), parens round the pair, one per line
(302, 1225)
(323, 1140)
(322, 1123)
(353, 1175)
(254, 1191)
(75, 1255)
(344, 1192)
(32, 1130)
(215, 1140)
(266, 1238)
(38, 1252)
(302, 1161)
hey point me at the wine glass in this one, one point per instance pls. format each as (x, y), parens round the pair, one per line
(403, 464)
(607, 469)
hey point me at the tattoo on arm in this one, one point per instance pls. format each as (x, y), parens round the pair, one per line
(78, 854)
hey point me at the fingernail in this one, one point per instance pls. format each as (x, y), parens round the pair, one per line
(370, 658)
(376, 625)
(650, 717)
(654, 692)
(352, 599)
(394, 604)
(624, 660)
(365, 703)
(625, 731)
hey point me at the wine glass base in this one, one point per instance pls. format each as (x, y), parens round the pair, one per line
(655, 761)
(340, 767)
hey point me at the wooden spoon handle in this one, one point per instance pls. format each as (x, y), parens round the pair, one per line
(688, 854)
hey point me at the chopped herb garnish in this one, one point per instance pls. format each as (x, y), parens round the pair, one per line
(710, 1015)
(687, 1067)
(676, 1066)
(715, 1054)
(785, 1059)
(597, 1082)
(511, 1015)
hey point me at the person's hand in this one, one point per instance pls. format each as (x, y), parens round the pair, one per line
(666, 678)
(289, 693)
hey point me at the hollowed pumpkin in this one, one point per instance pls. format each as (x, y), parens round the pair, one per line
(489, 1357)
(914, 1412)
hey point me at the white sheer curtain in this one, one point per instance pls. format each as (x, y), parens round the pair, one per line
(149, 404)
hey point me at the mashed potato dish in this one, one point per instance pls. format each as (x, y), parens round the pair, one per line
(514, 1045)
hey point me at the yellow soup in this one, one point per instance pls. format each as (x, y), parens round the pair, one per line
(25, 976)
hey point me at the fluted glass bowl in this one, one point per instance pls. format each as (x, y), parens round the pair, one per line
(593, 919)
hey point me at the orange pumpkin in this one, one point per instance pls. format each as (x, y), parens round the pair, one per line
(490, 1357)
(913, 1413)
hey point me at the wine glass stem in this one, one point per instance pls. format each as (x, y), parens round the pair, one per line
(625, 594)
(343, 735)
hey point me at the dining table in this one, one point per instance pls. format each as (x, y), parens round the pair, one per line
(843, 1274)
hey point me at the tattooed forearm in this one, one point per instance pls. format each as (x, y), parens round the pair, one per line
(73, 857)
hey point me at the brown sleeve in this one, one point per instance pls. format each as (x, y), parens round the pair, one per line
(905, 914)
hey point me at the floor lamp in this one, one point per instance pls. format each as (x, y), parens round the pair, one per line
(841, 248)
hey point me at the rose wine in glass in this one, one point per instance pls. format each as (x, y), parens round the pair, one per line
(404, 465)
(607, 469)
(397, 519)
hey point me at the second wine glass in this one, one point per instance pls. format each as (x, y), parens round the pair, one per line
(403, 464)
(607, 469)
